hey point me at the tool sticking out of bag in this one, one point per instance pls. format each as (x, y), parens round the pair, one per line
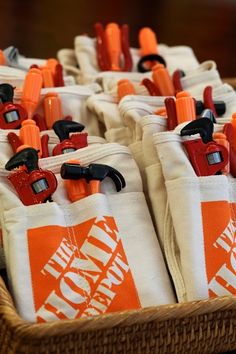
(229, 130)
(149, 50)
(62, 129)
(206, 156)
(33, 185)
(29, 135)
(124, 88)
(52, 106)
(162, 84)
(112, 46)
(217, 107)
(176, 79)
(11, 114)
(52, 73)
(93, 175)
(151, 87)
(179, 110)
(57, 72)
(31, 91)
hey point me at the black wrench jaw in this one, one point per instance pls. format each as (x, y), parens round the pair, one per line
(27, 157)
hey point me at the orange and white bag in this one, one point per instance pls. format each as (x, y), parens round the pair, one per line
(99, 254)
(85, 50)
(199, 230)
(6, 153)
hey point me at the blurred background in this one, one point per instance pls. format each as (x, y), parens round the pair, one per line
(41, 28)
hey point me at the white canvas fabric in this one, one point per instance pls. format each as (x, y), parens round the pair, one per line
(68, 60)
(124, 215)
(105, 107)
(199, 224)
(73, 100)
(176, 58)
(25, 63)
(109, 79)
(133, 108)
(204, 75)
(154, 180)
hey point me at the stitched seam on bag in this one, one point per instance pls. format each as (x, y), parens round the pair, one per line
(95, 98)
(197, 181)
(169, 243)
(144, 122)
(143, 99)
(52, 138)
(166, 137)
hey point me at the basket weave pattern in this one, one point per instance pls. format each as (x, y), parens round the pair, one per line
(198, 327)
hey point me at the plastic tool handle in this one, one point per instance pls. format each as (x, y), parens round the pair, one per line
(40, 121)
(221, 139)
(161, 112)
(76, 189)
(44, 144)
(151, 87)
(228, 131)
(30, 135)
(14, 141)
(31, 91)
(233, 123)
(176, 78)
(124, 88)
(185, 107)
(125, 46)
(101, 48)
(113, 41)
(94, 187)
(208, 100)
(172, 120)
(47, 77)
(52, 108)
(163, 80)
(3, 60)
(51, 64)
(58, 77)
(147, 41)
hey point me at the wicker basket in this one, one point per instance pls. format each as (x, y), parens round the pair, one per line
(197, 327)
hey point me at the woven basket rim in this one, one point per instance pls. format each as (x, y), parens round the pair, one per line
(107, 321)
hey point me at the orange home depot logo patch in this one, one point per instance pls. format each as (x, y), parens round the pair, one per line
(219, 227)
(80, 271)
